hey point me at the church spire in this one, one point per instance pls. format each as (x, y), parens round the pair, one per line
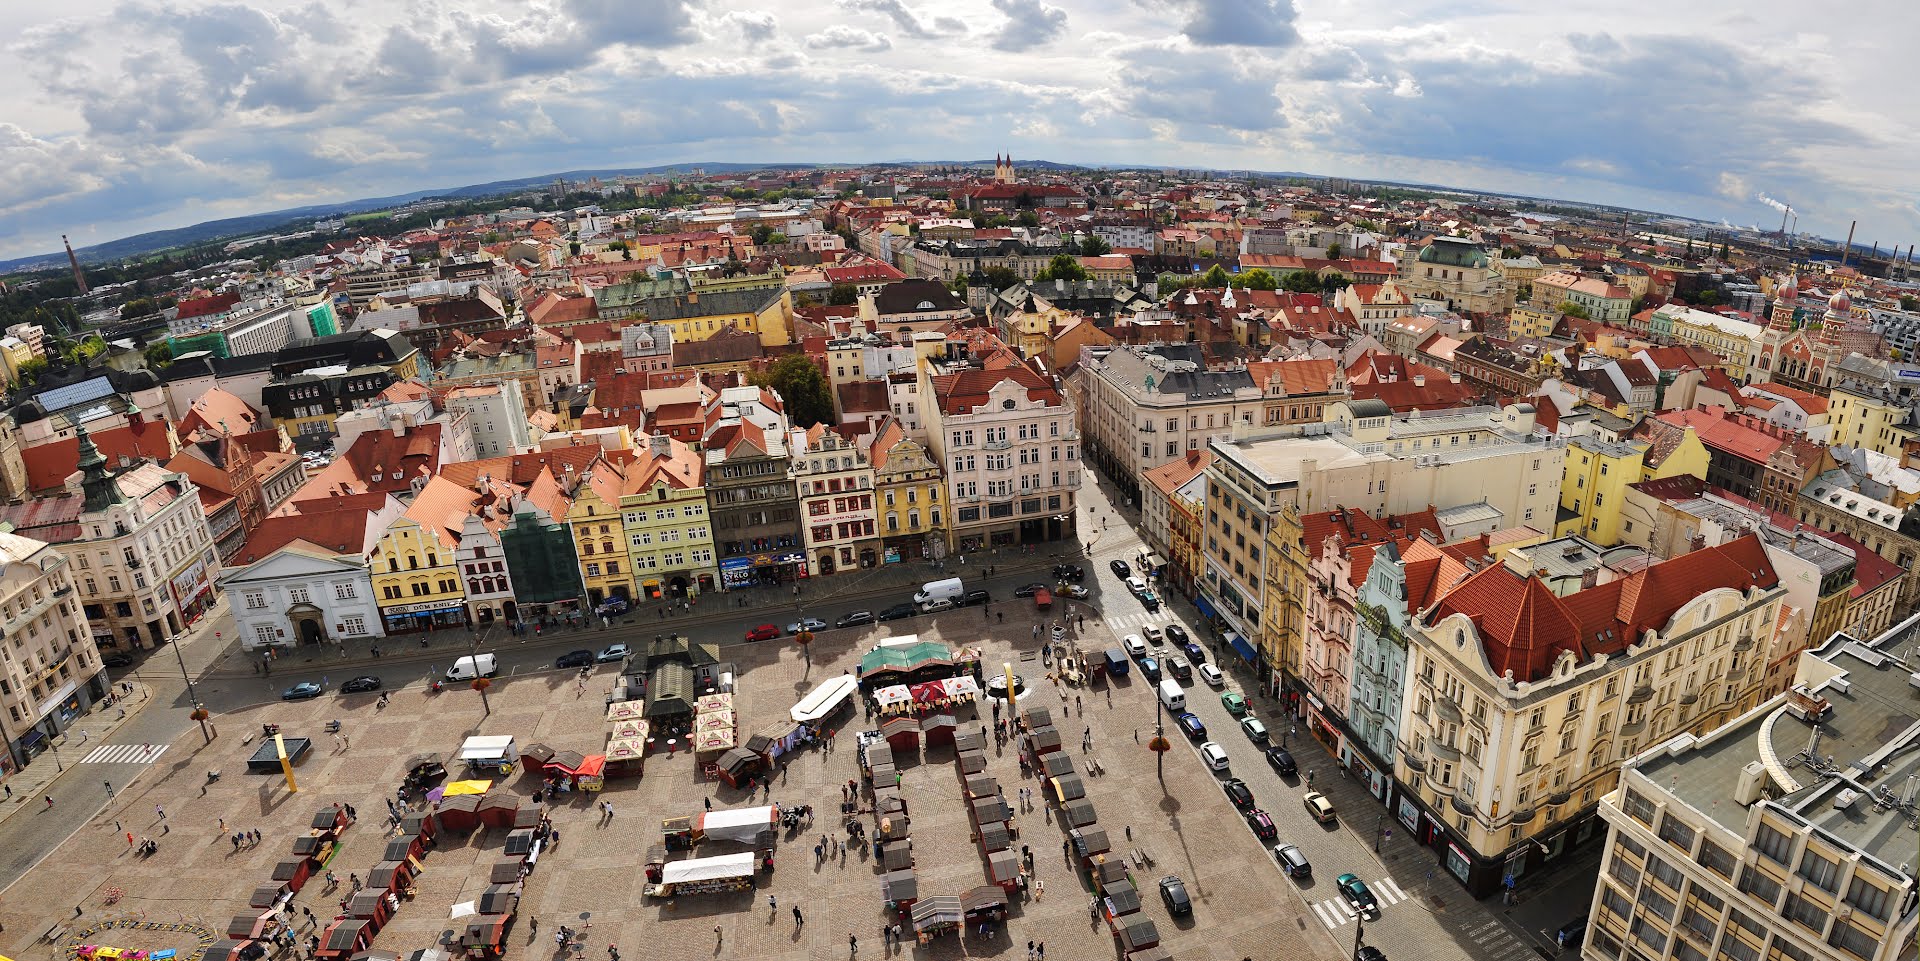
(100, 490)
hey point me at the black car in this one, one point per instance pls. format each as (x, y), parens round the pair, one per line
(852, 618)
(360, 685)
(1282, 762)
(1176, 634)
(898, 611)
(1572, 934)
(1293, 861)
(1238, 793)
(1121, 570)
(1069, 572)
(1179, 668)
(574, 659)
(1173, 891)
(121, 659)
(976, 597)
(1027, 590)
(1368, 952)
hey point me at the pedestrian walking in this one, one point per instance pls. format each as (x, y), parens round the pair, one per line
(799, 920)
(1039, 888)
(49, 802)
(709, 803)
(109, 785)
(162, 812)
(772, 903)
(1041, 952)
(1029, 951)
(129, 839)
(853, 944)
(717, 937)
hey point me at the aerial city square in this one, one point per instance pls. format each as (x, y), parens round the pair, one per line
(1241, 480)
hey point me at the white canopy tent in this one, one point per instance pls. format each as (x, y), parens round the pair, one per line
(708, 869)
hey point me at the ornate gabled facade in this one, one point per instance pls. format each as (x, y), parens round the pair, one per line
(1795, 351)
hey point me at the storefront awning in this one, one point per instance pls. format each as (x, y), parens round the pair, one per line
(1244, 648)
(1206, 609)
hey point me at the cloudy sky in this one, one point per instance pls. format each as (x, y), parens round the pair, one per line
(131, 115)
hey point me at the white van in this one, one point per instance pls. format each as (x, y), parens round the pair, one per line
(472, 666)
(948, 589)
(1171, 695)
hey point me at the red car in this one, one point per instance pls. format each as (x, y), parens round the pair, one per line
(765, 632)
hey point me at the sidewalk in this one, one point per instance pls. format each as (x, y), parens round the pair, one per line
(779, 605)
(75, 743)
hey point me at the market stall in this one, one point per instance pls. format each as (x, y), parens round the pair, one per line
(1158, 952)
(902, 732)
(894, 855)
(486, 937)
(231, 949)
(537, 753)
(993, 836)
(900, 889)
(258, 927)
(982, 785)
(343, 938)
(632, 710)
(1135, 932)
(293, 873)
(827, 699)
(404, 849)
(373, 907)
(739, 766)
(936, 916)
(507, 870)
(1119, 898)
(985, 903)
(423, 772)
(393, 876)
(993, 807)
(1066, 787)
(418, 823)
(1003, 868)
(726, 872)
(893, 699)
(745, 825)
(329, 821)
(1089, 841)
(460, 813)
(500, 899)
(627, 756)
(1043, 740)
(268, 895)
(497, 809)
(1056, 764)
(1079, 813)
(938, 729)
(490, 754)
(1108, 870)
(971, 762)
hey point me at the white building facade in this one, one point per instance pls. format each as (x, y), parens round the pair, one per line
(294, 598)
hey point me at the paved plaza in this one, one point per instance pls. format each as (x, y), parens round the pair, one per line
(595, 873)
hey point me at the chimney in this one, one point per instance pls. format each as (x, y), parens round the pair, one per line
(662, 446)
(1419, 380)
(1454, 377)
(1589, 578)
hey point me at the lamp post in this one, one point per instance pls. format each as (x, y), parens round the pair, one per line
(479, 683)
(1359, 928)
(1379, 824)
(193, 697)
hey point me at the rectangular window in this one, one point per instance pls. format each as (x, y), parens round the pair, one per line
(1677, 833)
(1717, 859)
(1639, 807)
(1650, 934)
(1823, 872)
(1616, 903)
(1654, 901)
(1805, 913)
(1867, 897)
(264, 633)
(1852, 939)
(1772, 843)
(1667, 873)
(1758, 884)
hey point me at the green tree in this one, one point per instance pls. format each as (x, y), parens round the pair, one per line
(1002, 277)
(762, 233)
(159, 354)
(1094, 247)
(1524, 292)
(573, 247)
(137, 307)
(1707, 298)
(776, 238)
(1062, 267)
(1333, 251)
(802, 386)
(843, 295)
(1215, 278)
(1572, 309)
(31, 369)
(1029, 220)
(1909, 302)
(1300, 282)
(1258, 279)
(1334, 281)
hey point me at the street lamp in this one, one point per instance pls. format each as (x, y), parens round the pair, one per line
(479, 683)
(199, 713)
(1379, 824)
(1359, 928)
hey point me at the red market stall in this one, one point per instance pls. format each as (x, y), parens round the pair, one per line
(394, 876)
(487, 937)
(231, 949)
(460, 813)
(902, 733)
(938, 729)
(373, 907)
(293, 874)
(343, 939)
(330, 820)
(421, 824)
(497, 809)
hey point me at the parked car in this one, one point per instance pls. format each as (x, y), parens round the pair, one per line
(1261, 824)
(1212, 676)
(1176, 634)
(1135, 585)
(1195, 651)
(898, 611)
(1191, 723)
(1356, 893)
(1318, 806)
(1235, 703)
(1150, 669)
(1150, 601)
(1173, 891)
(1120, 569)
(1069, 572)
(574, 659)
(613, 652)
(1572, 934)
(1214, 756)
(976, 597)
(1282, 762)
(1254, 730)
(1293, 861)
(765, 632)
(1136, 648)
(806, 624)
(1368, 952)
(1238, 793)
(851, 618)
(1153, 634)
(1075, 591)
(301, 691)
(360, 685)
(1028, 590)
(612, 607)
(1178, 667)
(117, 659)
(937, 605)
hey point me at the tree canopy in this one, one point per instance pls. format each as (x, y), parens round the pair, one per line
(1094, 247)
(843, 295)
(804, 388)
(1062, 267)
(1572, 309)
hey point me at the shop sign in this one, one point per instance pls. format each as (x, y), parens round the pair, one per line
(189, 583)
(425, 607)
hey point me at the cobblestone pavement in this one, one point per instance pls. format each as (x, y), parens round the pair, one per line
(595, 873)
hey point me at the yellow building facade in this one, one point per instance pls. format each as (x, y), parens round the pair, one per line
(663, 512)
(416, 579)
(1864, 419)
(600, 537)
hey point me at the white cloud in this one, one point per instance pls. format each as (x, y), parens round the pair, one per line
(842, 37)
(128, 115)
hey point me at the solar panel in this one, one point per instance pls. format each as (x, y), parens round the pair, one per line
(61, 398)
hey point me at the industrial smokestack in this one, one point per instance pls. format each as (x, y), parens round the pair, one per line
(1847, 251)
(79, 279)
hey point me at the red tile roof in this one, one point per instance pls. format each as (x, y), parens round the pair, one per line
(1524, 627)
(50, 464)
(960, 393)
(206, 306)
(1358, 533)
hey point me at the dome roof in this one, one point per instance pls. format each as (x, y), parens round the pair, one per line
(28, 411)
(1839, 303)
(1789, 288)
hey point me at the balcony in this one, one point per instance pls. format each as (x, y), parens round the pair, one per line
(1414, 762)
(1443, 751)
(1521, 815)
(1449, 711)
(1461, 805)
(1744, 644)
(1641, 694)
(1632, 728)
(1690, 697)
(997, 445)
(1559, 797)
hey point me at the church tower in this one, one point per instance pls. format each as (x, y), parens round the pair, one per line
(1785, 297)
(1003, 169)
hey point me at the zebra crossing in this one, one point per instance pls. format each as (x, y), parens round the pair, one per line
(125, 754)
(1336, 912)
(1132, 623)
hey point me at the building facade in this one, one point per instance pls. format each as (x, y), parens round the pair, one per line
(755, 507)
(1008, 440)
(300, 596)
(416, 578)
(833, 478)
(912, 503)
(50, 670)
(663, 509)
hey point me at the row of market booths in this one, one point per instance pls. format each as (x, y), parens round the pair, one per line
(1134, 933)
(255, 934)
(674, 695)
(742, 841)
(934, 915)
